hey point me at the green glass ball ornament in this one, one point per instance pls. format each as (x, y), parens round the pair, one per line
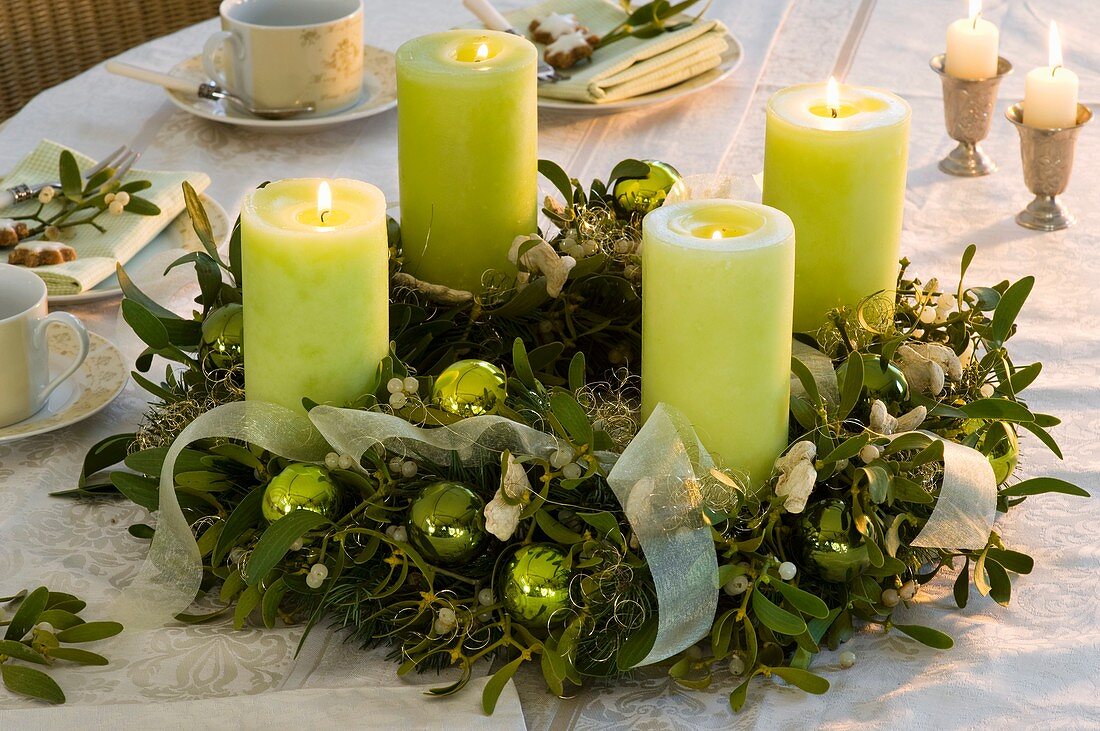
(534, 584)
(300, 487)
(470, 388)
(223, 336)
(887, 384)
(998, 443)
(642, 195)
(445, 523)
(831, 546)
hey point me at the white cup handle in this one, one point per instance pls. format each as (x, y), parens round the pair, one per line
(63, 318)
(213, 44)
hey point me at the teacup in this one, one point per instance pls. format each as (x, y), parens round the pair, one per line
(281, 53)
(25, 383)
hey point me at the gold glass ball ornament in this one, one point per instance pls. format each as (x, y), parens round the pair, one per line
(642, 195)
(470, 388)
(223, 336)
(534, 584)
(832, 548)
(887, 384)
(445, 523)
(300, 487)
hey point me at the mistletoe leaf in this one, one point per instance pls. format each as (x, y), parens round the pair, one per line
(927, 636)
(145, 324)
(1012, 301)
(75, 654)
(572, 417)
(90, 632)
(802, 600)
(27, 614)
(804, 679)
(246, 515)
(491, 693)
(142, 207)
(200, 221)
(961, 588)
(19, 651)
(32, 683)
(775, 617)
(277, 539)
(72, 184)
(1043, 485)
(558, 177)
(852, 386)
(637, 645)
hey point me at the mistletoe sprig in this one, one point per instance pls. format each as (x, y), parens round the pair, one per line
(84, 202)
(37, 635)
(650, 20)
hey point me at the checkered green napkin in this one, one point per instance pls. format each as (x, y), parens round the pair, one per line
(630, 67)
(126, 234)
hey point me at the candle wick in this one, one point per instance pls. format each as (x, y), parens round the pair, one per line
(323, 214)
(833, 111)
(1054, 70)
(976, 16)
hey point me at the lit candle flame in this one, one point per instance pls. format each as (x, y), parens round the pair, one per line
(716, 234)
(324, 200)
(975, 11)
(832, 96)
(482, 52)
(1054, 47)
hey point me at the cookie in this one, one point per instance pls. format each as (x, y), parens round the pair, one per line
(11, 232)
(554, 26)
(568, 50)
(41, 253)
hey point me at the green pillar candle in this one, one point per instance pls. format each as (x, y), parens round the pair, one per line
(316, 295)
(467, 137)
(717, 297)
(841, 179)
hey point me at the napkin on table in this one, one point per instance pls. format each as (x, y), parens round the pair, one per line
(126, 234)
(632, 66)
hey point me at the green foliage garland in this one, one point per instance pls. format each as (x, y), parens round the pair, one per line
(794, 582)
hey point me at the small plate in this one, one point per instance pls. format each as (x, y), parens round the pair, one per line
(731, 59)
(95, 384)
(379, 95)
(178, 234)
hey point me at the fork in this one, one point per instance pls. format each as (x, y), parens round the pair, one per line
(484, 11)
(120, 161)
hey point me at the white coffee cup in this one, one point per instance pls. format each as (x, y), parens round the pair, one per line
(25, 383)
(279, 53)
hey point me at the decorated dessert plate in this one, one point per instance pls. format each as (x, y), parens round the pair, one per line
(731, 60)
(379, 95)
(98, 381)
(149, 263)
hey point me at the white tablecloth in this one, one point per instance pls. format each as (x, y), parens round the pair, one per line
(1034, 662)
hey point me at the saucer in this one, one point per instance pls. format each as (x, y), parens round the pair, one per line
(95, 384)
(379, 95)
(146, 265)
(731, 59)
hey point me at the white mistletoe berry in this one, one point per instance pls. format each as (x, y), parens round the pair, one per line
(445, 620)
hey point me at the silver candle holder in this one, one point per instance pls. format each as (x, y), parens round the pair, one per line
(1047, 155)
(968, 112)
